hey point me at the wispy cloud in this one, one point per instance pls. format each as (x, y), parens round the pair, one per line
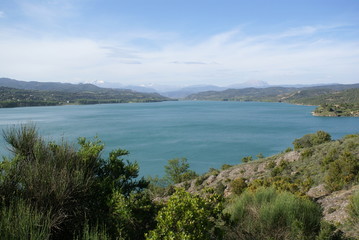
(225, 58)
(2, 14)
(188, 62)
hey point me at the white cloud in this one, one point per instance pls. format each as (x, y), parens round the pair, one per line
(226, 58)
(2, 14)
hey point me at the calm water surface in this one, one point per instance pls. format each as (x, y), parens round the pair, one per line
(208, 134)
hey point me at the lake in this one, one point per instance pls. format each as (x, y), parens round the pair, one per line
(209, 134)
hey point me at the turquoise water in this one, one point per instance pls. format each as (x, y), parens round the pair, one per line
(208, 134)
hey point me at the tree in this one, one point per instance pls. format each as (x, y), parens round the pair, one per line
(177, 170)
(73, 185)
(312, 139)
(187, 216)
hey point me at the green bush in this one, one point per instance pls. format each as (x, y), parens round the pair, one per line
(226, 166)
(342, 171)
(72, 186)
(270, 214)
(187, 216)
(131, 217)
(353, 210)
(238, 185)
(94, 233)
(247, 159)
(312, 139)
(177, 171)
(329, 232)
(22, 221)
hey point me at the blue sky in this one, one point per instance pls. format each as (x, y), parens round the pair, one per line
(159, 42)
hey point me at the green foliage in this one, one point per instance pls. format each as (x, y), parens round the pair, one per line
(260, 155)
(73, 186)
(187, 216)
(200, 180)
(329, 232)
(247, 159)
(276, 171)
(342, 171)
(238, 185)
(177, 170)
(289, 149)
(226, 166)
(271, 165)
(11, 97)
(344, 103)
(312, 139)
(131, 217)
(93, 233)
(283, 183)
(270, 214)
(354, 207)
(353, 210)
(22, 221)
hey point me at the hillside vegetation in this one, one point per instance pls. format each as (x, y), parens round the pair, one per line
(333, 100)
(54, 190)
(11, 97)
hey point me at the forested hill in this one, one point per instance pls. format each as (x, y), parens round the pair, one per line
(270, 94)
(334, 100)
(47, 86)
(12, 97)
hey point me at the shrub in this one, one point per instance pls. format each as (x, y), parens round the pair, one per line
(329, 232)
(312, 139)
(270, 165)
(353, 210)
(342, 171)
(246, 159)
(270, 214)
(22, 221)
(177, 171)
(131, 217)
(226, 166)
(238, 185)
(187, 216)
(94, 233)
(72, 186)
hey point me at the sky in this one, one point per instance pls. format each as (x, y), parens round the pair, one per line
(180, 42)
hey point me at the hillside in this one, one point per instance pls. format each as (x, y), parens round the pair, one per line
(326, 172)
(15, 93)
(276, 94)
(334, 100)
(59, 190)
(47, 86)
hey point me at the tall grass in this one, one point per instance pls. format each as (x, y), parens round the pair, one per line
(270, 214)
(21, 221)
(51, 177)
(354, 215)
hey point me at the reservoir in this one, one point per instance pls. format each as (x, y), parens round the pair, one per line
(207, 133)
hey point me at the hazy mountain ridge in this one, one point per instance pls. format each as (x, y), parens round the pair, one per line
(47, 86)
(21, 94)
(270, 93)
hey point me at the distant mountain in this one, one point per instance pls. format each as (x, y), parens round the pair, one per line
(14, 93)
(47, 86)
(184, 92)
(273, 94)
(250, 84)
(333, 100)
(181, 92)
